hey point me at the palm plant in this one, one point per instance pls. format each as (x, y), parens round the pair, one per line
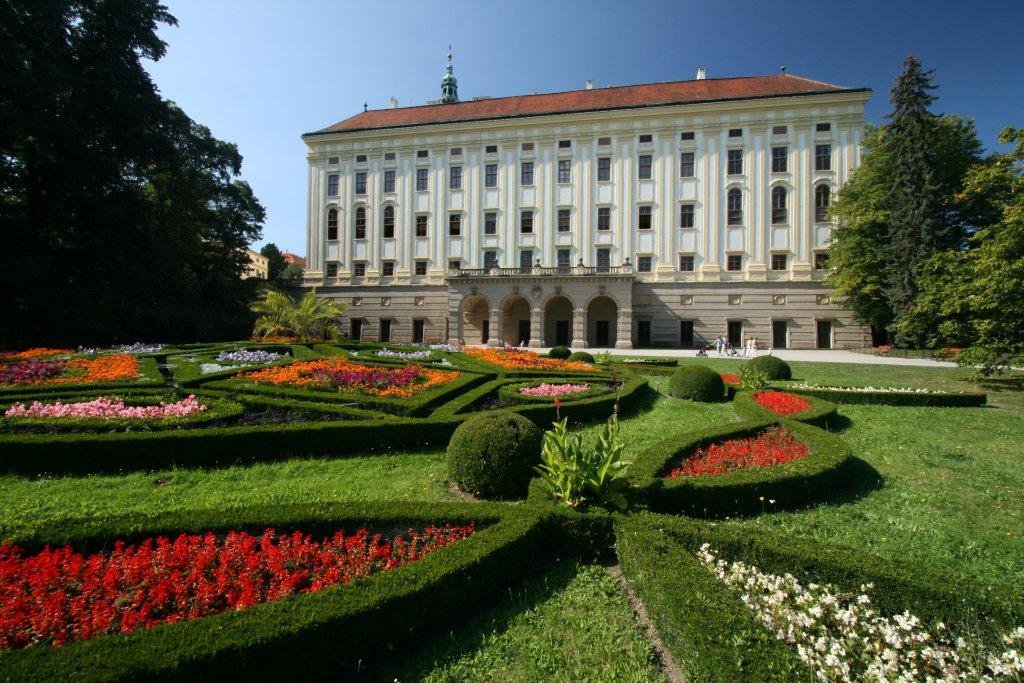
(281, 316)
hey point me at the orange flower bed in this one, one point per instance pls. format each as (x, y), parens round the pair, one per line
(345, 375)
(29, 354)
(102, 369)
(526, 360)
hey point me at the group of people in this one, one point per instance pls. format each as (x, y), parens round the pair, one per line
(724, 347)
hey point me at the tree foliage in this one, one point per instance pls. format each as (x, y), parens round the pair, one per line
(275, 261)
(124, 219)
(311, 317)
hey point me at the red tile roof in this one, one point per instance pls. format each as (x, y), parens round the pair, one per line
(294, 258)
(598, 99)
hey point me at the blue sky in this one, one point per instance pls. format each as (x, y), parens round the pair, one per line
(261, 73)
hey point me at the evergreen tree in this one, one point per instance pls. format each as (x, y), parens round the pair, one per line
(275, 261)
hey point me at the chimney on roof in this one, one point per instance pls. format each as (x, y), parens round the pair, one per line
(394, 102)
(782, 69)
(590, 84)
(702, 73)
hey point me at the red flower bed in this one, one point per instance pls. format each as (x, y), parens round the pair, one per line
(774, 446)
(58, 595)
(781, 403)
(730, 378)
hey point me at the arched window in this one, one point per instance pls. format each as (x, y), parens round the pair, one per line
(734, 207)
(361, 223)
(332, 224)
(389, 222)
(822, 198)
(779, 205)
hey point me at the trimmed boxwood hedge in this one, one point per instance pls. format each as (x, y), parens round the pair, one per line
(827, 468)
(510, 395)
(822, 413)
(895, 398)
(656, 362)
(772, 366)
(560, 352)
(697, 383)
(493, 454)
(335, 631)
(581, 356)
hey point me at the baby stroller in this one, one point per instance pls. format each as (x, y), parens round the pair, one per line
(702, 352)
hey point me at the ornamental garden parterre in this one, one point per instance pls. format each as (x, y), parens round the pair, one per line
(331, 587)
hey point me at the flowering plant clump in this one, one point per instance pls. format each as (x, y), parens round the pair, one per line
(450, 348)
(841, 637)
(404, 355)
(730, 378)
(105, 408)
(886, 390)
(31, 371)
(512, 358)
(74, 371)
(341, 373)
(552, 390)
(139, 347)
(31, 354)
(247, 357)
(774, 446)
(884, 350)
(781, 403)
(58, 595)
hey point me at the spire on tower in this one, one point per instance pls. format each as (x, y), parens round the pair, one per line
(449, 84)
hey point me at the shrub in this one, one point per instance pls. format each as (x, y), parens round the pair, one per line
(492, 455)
(572, 473)
(753, 378)
(772, 366)
(559, 352)
(697, 383)
(582, 357)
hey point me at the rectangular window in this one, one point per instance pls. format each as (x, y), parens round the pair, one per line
(332, 224)
(387, 268)
(604, 168)
(563, 257)
(421, 226)
(643, 264)
(332, 185)
(455, 152)
(389, 156)
(421, 179)
(360, 224)
(388, 230)
(360, 183)
(491, 223)
(420, 268)
(779, 159)
(604, 259)
(604, 142)
(526, 258)
(389, 181)
(735, 162)
(526, 173)
(454, 264)
(686, 215)
(491, 175)
(779, 130)
(455, 224)
(421, 154)
(688, 135)
(820, 260)
(527, 147)
(564, 170)
(644, 139)
(357, 328)
(455, 178)
(563, 220)
(643, 218)
(359, 269)
(734, 262)
(564, 144)
(643, 167)
(526, 222)
(686, 161)
(332, 270)
(417, 331)
(735, 132)
(823, 127)
(491, 149)
(360, 158)
(490, 259)
(823, 157)
(332, 161)
(385, 330)
(778, 261)
(604, 218)
(686, 263)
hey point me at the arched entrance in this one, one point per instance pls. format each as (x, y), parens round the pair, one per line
(515, 321)
(476, 320)
(558, 322)
(602, 319)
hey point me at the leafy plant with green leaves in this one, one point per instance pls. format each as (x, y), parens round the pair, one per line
(753, 378)
(604, 358)
(281, 316)
(575, 474)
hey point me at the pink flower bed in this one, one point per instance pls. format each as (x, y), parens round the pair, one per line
(553, 390)
(105, 408)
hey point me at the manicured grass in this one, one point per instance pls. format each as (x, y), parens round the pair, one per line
(570, 623)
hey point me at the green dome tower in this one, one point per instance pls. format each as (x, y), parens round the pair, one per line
(449, 84)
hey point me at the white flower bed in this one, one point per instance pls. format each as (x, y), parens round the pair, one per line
(404, 355)
(841, 637)
(450, 348)
(883, 390)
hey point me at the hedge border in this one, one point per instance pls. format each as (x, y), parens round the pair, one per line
(308, 635)
(509, 392)
(896, 398)
(821, 413)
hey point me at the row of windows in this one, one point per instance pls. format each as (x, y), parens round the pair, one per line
(687, 167)
(563, 220)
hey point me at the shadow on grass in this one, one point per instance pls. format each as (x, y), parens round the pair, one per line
(454, 641)
(1015, 383)
(839, 424)
(861, 480)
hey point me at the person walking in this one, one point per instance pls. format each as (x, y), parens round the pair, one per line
(720, 345)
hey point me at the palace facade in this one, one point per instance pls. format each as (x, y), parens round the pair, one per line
(657, 215)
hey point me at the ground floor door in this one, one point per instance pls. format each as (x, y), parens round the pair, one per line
(357, 328)
(601, 333)
(485, 331)
(824, 334)
(524, 332)
(686, 334)
(780, 330)
(561, 333)
(385, 330)
(736, 333)
(643, 333)
(417, 331)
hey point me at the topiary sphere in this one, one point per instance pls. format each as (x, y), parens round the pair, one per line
(582, 356)
(492, 454)
(559, 352)
(697, 383)
(772, 366)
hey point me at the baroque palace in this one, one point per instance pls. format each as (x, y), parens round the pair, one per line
(659, 215)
